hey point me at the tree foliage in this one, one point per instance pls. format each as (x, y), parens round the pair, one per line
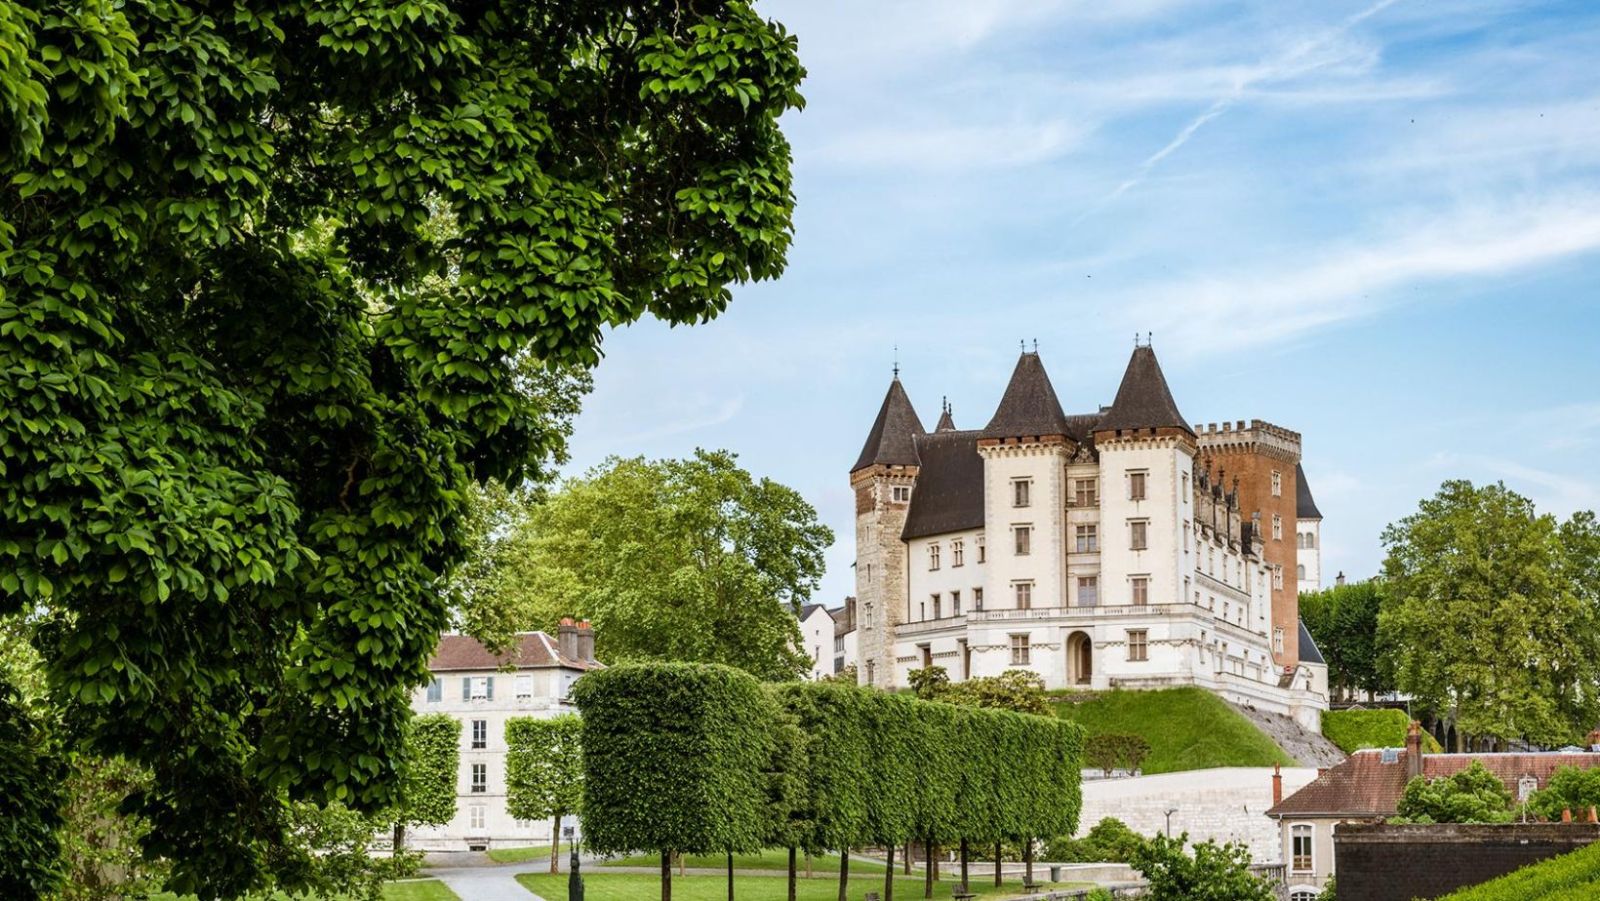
(1343, 620)
(1570, 788)
(1213, 873)
(1472, 795)
(1487, 617)
(266, 271)
(1109, 751)
(32, 796)
(433, 761)
(1108, 841)
(689, 560)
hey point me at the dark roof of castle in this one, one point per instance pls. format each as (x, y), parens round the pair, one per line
(1305, 505)
(949, 492)
(1029, 406)
(893, 439)
(947, 423)
(1143, 400)
(1308, 648)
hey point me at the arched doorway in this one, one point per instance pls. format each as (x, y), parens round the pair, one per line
(1080, 659)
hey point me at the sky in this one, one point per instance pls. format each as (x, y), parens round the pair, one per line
(1376, 224)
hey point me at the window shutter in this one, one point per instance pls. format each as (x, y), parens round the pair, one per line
(488, 690)
(466, 689)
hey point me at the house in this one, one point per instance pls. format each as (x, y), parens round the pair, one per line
(1367, 787)
(483, 690)
(816, 639)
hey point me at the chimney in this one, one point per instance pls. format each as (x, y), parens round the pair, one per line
(1413, 750)
(585, 642)
(1277, 785)
(567, 639)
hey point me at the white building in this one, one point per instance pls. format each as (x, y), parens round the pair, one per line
(816, 639)
(1308, 536)
(1099, 550)
(532, 679)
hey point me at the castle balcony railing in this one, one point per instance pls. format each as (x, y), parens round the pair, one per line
(1075, 613)
(931, 625)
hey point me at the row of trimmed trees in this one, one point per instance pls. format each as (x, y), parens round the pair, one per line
(701, 759)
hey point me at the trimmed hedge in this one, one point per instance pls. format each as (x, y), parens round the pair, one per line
(544, 767)
(1570, 877)
(1355, 730)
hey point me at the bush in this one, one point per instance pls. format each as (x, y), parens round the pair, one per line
(1110, 841)
(1214, 873)
(929, 682)
(1355, 730)
(1473, 795)
(1569, 788)
(1114, 750)
(1017, 690)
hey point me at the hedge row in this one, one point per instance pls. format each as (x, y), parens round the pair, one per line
(694, 758)
(1574, 876)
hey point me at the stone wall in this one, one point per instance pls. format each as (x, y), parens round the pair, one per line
(1227, 804)
(1399, 863)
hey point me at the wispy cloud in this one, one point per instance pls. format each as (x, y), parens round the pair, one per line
(1556, 492)
(949, 148)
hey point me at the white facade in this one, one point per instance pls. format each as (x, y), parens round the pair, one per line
(816, 639)
(1308, 540)
(472, 687)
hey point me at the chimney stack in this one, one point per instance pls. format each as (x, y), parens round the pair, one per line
(1277, 785)
(1413, 750)
(585, 642)
(567, 639)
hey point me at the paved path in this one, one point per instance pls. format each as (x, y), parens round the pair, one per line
(490, 883)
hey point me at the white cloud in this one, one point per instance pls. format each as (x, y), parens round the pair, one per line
(946, 148)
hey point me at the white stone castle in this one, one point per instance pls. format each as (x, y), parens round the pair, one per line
(1119, 548)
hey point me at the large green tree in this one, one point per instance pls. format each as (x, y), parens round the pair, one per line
(1487, 616)
(1344, 621)
(691, 560)
(544, 772)
(266, 273)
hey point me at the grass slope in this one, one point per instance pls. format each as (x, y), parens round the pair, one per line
(633, 887)
(771, 859)
(1187, 728)
(1569, 877)
(1353, 730)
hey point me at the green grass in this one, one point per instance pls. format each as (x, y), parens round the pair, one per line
(632, 887)
(520, 855)
(1574, 876)
(771, 859)
(1187, 728)
(1353, 730)
(409, 890)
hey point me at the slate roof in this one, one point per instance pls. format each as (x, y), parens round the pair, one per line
(1029, 406)
(1143, 399)
(1305, 505)
(893, 439)
(947, 423)
(949, 492)
(1364, 785)
(1309, 652)
(532, 650)
(807, 609)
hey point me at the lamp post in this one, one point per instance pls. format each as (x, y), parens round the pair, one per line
(574, 878)
(1170, 811)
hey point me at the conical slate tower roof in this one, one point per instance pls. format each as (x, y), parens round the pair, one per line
(1029, 406)
(1305, 505)
(1143, 400)
(947, 423)
(893, 439)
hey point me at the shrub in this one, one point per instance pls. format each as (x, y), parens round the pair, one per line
(1473, 795)
(1016, 690)
(1112, 750)
(929, 682)
(1570, 788)
(1355, 730)
(1110, 841)
(1214, 873)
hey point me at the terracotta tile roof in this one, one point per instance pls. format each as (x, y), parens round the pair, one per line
(532, 650)
(1370, 783)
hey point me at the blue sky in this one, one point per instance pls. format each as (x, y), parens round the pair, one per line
(1376, 224)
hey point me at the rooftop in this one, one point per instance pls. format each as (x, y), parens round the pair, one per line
(530, 650)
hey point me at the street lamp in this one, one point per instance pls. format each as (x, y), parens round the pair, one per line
(1170, 811)
(574, 878)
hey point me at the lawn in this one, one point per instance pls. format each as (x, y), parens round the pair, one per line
(631, 887)
(1353, 730)
(409, 890)
(765, 860)
(519, 855)
(1187, 728)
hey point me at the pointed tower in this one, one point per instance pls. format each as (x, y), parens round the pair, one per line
(1025, 449)
(947, 423)
(883, 479)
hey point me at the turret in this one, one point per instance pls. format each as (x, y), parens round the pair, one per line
(883, 480)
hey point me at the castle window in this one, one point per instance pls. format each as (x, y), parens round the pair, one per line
(1277, 576)
(1186, 537)
(1024, 592)
(1300, 860)
(1141, 590)
(982, 552)
(1020, 491)
(1088, 539)
(958, 552)
(901, 493)
(1277, 483)
(1019, 650)
(1088, 591)
(480, 778)
(480, 734)
(933, 556)
(1277, 527)
(1085, 493)
(1024, 538)
(1183, 496)
(1138, 534)
(1138, 644)
(1277, 640)
(936, 606)
(955, 603)
(977, 598)
(1300, 572)
(1136, 485)
(475, 816)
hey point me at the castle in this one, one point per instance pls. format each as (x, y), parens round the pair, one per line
(1118, 548)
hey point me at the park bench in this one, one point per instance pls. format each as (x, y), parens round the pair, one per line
(962, 893)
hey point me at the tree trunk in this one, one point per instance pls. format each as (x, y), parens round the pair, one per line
(793, 867)
(963, 865)
(666, 876)
(888, 877)
(998, 846)
(730, 874)
(1027, 861)
(555, 844)
(398, 843)
(911, 854)
(844, 873)
(809, 874)
(927, 868)
(683, 864)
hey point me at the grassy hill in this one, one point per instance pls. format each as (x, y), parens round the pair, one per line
(1570, 877)
(1187, 728)
(1353, 730)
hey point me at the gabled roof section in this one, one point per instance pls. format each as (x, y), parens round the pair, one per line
(1029, 406)
(529, 650)
(893, 439)
(1309, 653)
(949, 495)
(1143, 400)
(1305, 506)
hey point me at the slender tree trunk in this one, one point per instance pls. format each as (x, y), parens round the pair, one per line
(683, 864)
(888, 877)
(1027, 860)
(844, 873)
(666, 876)
(809, 874)
(998, 847)
(927, 868)
(555, 844)
(911, 855)
(730, 874)
(963, 865)
(793, 867)
(398, 843)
